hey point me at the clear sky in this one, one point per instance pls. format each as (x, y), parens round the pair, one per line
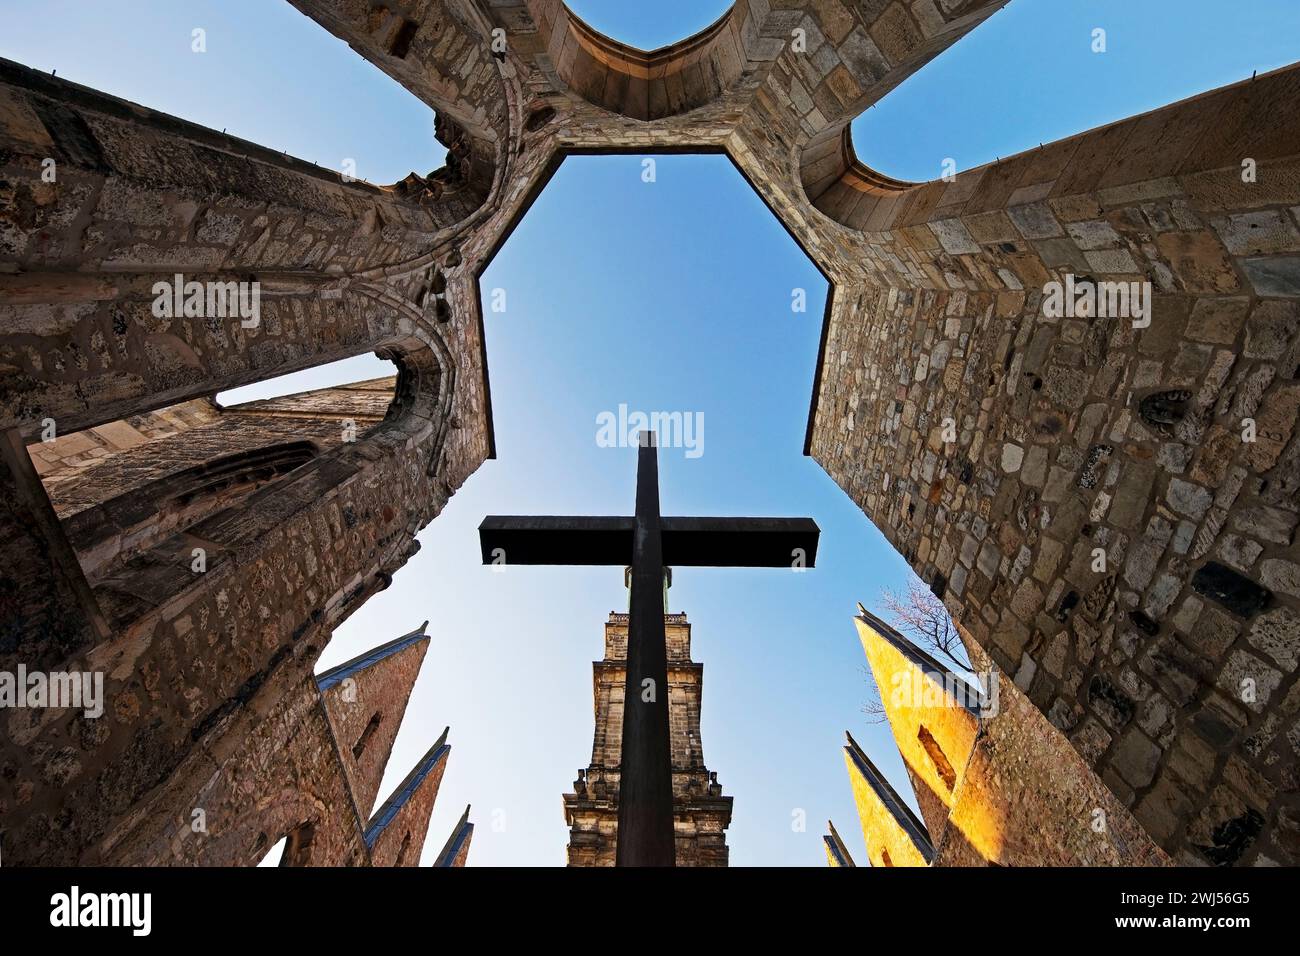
(667, 296)
(1028, 75)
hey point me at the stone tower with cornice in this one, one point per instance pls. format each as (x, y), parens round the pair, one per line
(701, 813)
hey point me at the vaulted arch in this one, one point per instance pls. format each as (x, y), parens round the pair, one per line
(645, 85)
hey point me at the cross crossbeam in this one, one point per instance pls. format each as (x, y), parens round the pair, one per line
(648, 543)
(687, 542)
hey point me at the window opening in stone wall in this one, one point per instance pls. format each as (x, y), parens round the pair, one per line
(273, 855)
(937, 757)
(298, 846)
(364, 740)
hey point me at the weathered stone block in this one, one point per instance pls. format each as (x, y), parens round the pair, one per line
(1136, 757)
(1277, 634)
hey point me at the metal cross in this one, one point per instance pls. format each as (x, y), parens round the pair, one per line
(649, 543)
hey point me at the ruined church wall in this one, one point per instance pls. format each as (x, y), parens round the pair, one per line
(57, 460)
(1139, 669)
(188, 462)
(998, 784)
(887, 842)
(266, 771)
(1073, 435)
(400, 842)
(1026, 798)
(380, 691)
(139, 197)
(280, 573)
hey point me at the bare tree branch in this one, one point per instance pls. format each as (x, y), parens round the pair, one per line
(920, 616)
(874, 707)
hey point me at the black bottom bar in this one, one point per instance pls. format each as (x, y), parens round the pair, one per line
(477, 905)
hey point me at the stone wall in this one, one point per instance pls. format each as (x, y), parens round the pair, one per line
(127, 581)
(365, 701)
(1108, 506)
(283, 767)
(891, 832)
(456, 850)
(188, 463)
(55, 459)
(264, 777)
(346, 268)
(997, 784)
(396, 832)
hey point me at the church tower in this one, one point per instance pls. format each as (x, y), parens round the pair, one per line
(701, 812)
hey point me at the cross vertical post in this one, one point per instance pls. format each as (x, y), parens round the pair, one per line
(645, 801)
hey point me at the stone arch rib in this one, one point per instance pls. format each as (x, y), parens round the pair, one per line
(649, 85)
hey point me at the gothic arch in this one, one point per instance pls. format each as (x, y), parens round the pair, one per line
(316, 544)
(218, 213)
(298, 845)
(298, 817)
(297, 478)
(843, 188)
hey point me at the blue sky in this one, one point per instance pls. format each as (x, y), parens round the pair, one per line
(269, 75)
(673, 296)
(1028, 75)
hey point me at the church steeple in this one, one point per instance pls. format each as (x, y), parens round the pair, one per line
(701, 813)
